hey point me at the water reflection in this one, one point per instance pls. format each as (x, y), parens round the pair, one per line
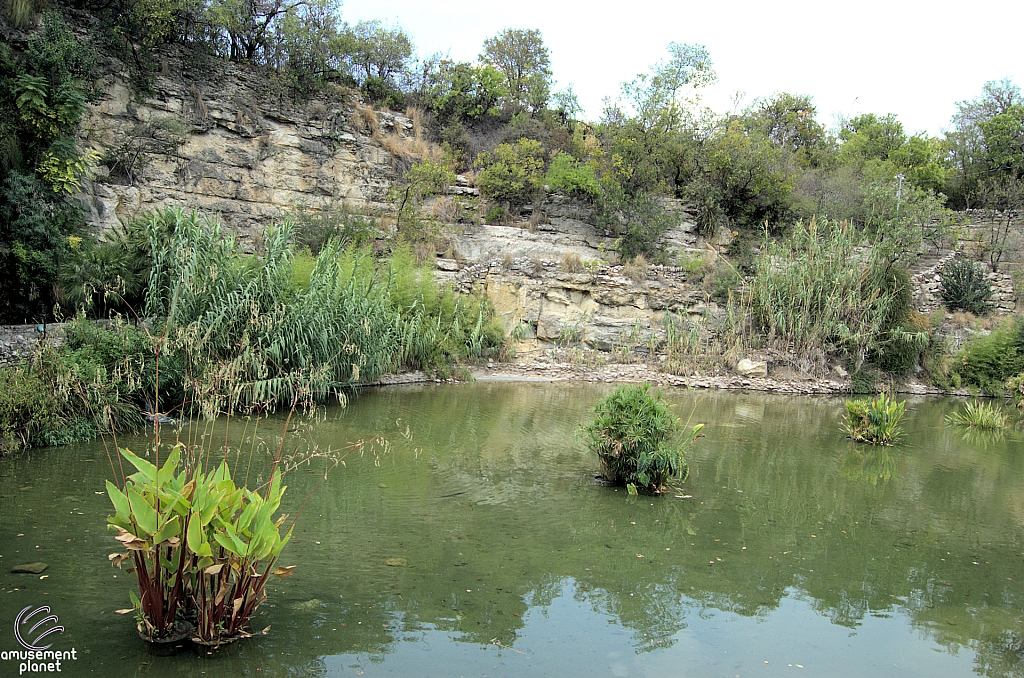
(483, 541)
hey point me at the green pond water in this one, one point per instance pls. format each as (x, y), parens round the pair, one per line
(481, 545)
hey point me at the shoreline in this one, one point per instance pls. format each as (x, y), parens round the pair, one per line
(640, 373)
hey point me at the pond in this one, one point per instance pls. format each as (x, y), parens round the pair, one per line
(479, 544)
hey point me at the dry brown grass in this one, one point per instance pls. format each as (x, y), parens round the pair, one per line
(426, 252)
(571, 263)
(410, 149)
(537, 217)
(967, 320)
(918, 322)
(365, 120)
(416, 115)
(444, 209)
(636, 269)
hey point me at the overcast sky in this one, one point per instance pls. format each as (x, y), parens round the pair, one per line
(915, 59)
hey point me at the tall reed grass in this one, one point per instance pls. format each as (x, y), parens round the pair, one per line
(824, 287)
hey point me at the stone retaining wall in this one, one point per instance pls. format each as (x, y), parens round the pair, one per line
(18, 341)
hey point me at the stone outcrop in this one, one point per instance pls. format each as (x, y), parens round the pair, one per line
(598, 308)
(752, 368)
(220, 138)
(18, 341)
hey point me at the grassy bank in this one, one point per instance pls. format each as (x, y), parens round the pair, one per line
(228, 331)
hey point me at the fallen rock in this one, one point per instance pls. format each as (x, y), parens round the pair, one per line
(752, 368)
(29, 568)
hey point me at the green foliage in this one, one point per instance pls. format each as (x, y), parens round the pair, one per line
(379, 52)
(495, 215)
(525, 62)
(980, 415)
(314, 228)
(101, 277)
(988, 361)
(512, 173)
(43, 93)
(638, 440)
(567, 174)
(964, 287)
(788, 122)
(248, 337)
(201, 547)
(462, 91)
(875, 421)
(736, 178)
(425, 179)
(1015, 387)
(818, 289)
(94, 383)
(639, 220)
(900, 350)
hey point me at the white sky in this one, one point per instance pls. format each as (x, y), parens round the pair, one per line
(915, 59)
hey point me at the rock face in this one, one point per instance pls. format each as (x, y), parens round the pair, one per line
(600, 308)
(218, 137)
(752, 368)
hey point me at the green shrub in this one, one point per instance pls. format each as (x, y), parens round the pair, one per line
(638, 220)
(988, 361)
(979, 415)
(512, 173)
(61, 396)
(638, 440)
(566, 174)
(964, 287)
(900, 350)
(864, 380)
(875, 421)
(495, 215)
(27, 406)
(1015, 387)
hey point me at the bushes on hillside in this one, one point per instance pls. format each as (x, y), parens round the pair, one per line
(512, 173)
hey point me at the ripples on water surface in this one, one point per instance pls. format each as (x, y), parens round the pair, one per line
(795, 548)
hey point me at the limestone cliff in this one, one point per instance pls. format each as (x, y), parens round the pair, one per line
(221, 138)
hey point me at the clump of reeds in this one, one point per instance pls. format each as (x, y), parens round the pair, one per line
(979, 415)
(876, 421)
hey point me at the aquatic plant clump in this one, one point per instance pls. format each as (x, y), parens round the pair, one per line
(202, 548)
(638, 440)
(875, 421)
(979, 415)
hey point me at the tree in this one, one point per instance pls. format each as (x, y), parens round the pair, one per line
(967, 148)
(249, 26)
(789, 122)
(655, 98)
(462, 91)
(524, 60)
(1004, 141)
(424, 179)
(379, 51)
(311, 43)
